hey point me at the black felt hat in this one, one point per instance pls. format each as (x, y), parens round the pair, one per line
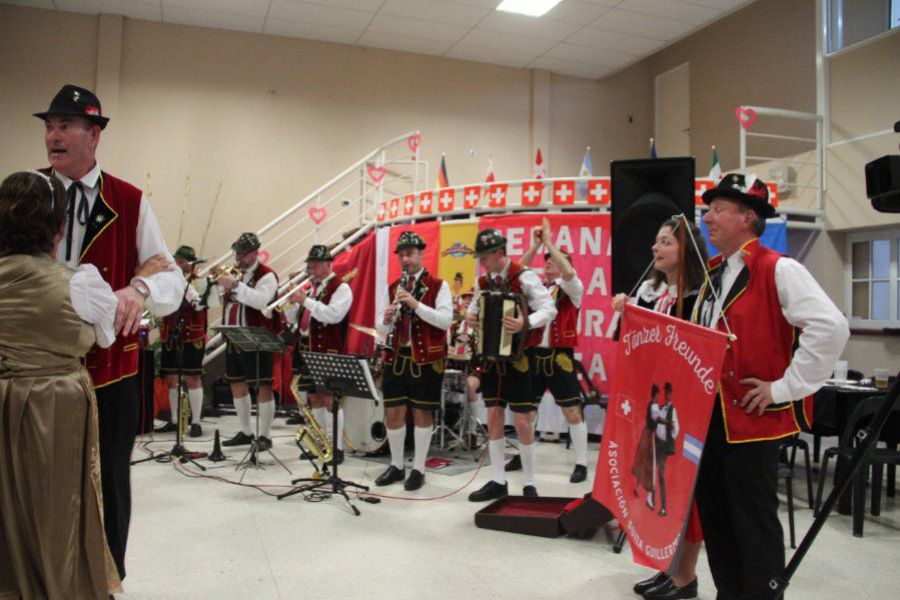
(746, 190)
(409, 239)
(248, 242)
(319, 252)
(488, 241)
(77, 101)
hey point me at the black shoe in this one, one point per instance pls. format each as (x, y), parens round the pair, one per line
(166, 428)
(294, 419)
(643, 586)
(489, 491)
(390, 475)
(415, 480)
(241, 439)
(579, 474)
(515, 464)
(662, 512)
(196, 430)
(670, 591)
(337, 457)
(264, 443)
(529, 491)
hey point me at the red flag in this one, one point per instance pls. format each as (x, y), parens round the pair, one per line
(539, 170)
(532, 191)
(497, 194)
(490, 171)
(409, 205)
(382, 211)
(598, 191)
(446, 200)
(395, 208)
(700, 186)
(357, 267)
(563, 193)
(443, 181)
(471, 196)
(664, 386)
(425, 203)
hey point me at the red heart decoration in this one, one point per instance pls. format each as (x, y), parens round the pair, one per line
(263, 256)
(377, 173)
(746, 116)
(318, 214)
(413, 142)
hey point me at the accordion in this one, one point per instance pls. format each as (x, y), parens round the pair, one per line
(495, 343)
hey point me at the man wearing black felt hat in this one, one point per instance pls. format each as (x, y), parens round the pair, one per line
(112, 226)
(788, 335)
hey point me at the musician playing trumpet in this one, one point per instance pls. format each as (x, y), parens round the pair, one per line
(320, 313)
(243, 300)
(419, 310)
(510, 383)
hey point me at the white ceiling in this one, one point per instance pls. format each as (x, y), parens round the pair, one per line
(587, 38)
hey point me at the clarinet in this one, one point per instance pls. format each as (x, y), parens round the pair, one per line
(389, 342)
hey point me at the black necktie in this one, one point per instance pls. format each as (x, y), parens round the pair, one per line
(71, 196)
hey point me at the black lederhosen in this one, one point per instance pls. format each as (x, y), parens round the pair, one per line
(404, 382)
(554, 368)
(191, 361)
(509, 383)
(240, 367)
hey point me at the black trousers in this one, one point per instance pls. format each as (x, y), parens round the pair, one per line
(118, 410)
(738, 503)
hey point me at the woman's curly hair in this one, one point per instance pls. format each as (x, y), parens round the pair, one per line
(32, 212)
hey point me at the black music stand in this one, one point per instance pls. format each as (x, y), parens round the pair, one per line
(341, 375)
(253, 339)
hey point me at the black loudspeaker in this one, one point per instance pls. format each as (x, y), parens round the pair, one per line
(645, 193)
(883, 183)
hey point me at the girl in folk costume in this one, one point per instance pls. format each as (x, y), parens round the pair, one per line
(676, 260)
(52, 542)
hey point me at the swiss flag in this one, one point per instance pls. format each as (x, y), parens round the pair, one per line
(409, 204)
(471, 196)
(426, 203)
(773, 193)
(446, 200)
(497, 194)
(700, 186)
(395, 207)
(532, 192)
(598, 191)
(563, 193)
(382, 212)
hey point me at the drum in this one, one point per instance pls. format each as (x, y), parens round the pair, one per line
(364, 427)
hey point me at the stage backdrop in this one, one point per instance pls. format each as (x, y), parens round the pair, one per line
(635, 461)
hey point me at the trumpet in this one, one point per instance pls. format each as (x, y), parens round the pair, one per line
(289, 303)
(233, 270)
(310, 435)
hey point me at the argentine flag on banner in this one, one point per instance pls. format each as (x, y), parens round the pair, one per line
(692, 448)
(587, 170)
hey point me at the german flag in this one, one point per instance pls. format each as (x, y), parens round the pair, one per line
(443, 181)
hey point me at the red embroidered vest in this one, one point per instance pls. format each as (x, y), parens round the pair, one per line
(564, 328)
(195, 324)
(763, 350)
(255, 318)
(428, 342)
(324, 337)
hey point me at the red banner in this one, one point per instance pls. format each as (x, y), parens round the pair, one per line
(356, 265)
(586, 238)
(666, 377)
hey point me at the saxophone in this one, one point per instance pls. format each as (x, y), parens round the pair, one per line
(310, 436)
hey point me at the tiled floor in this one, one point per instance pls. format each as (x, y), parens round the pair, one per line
(201, 538)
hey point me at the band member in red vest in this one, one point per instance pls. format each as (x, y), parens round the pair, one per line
(418, 311)
(243, 301)
(510, 383)
(191, 343)
(111, 226)
(554, 367)
(788, 336)
(320, 313)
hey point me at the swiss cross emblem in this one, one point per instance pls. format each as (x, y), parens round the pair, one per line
(598, 191)
(626, 407)
(497, 194)
(471, 196)
(700, 186)
(395, 207)
(563, 192)
(773, 193)
(381, 212)
(409, 204)
(446, 200)
(425, 201)
(532, 192)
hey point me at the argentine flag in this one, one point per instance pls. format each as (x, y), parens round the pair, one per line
(692, 448)
(587, 170)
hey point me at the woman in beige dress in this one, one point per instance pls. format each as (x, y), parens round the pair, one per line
(51, 526)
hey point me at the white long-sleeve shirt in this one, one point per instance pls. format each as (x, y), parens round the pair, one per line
(243, 295)
(165, 287)
(540, 302)
(440, 315)
(328, 313)
(574, 289)
(94, 301)
(660, 412)
(823, 328)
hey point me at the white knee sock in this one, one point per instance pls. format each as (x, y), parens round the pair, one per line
(243, 407)
(498, 466)
(340, 431)
(423, 443)
(266, 416)
(579, 434)
(196, 398)
(173, 405)
(396, 437)
(526, 451)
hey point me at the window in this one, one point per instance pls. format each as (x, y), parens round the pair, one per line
(873, 279)
(852, 21)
